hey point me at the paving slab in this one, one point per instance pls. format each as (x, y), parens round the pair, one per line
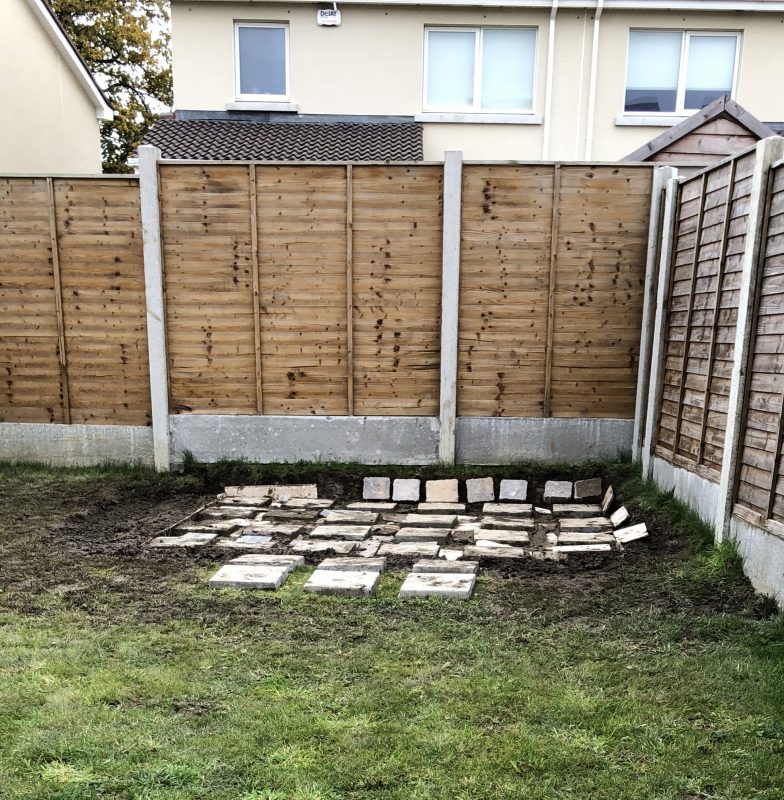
(354, 564)
(438, 584)
(504, 537)
(545, 512)
(631, 533)
(340, 546)
(425, 549)
(372, 505)
(576, 537)
(351, 533)
(619, 517)
(290, 562)
(292, 514)
(194, 539)
(367, 549)
(265, 528)
(436, 507)
(243, 502)
(344, 517)
(197, 527)
(480, 490)
(273, 491)
(429, 520)
(452, 568)
(439, 535)
(585, 524)
(450, 555)
(406, 490)
(490, 551)
(557, 491)
(509, 523)
(343, 583)
(249, 576)
(376, 488)
(306, 502)
(582, 548)
(514, 490)
(228, 512)
(444, 491)
(588, 489)
(508, 509)
(607, 500)
(251, 542)
(577, 510)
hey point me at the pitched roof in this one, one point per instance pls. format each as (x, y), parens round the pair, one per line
(722, 108)
(62, 41)
(214, 140)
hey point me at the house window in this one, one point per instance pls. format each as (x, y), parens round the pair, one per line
(479, 69)
(679, 71)
(261, 56)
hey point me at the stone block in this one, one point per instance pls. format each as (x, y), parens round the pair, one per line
(439, 535)
(557, 491)
(509, 523)
(273, 491)
(514, 490)
(376, 488)
(288, 561)
(589, 489)
(350, 517)
(508, 509)
(431, 565)
(480, 490)
(351, 533)
(490, 551)
(249, 576)
(192, 539)
(440, 507)
(438, 584)
(406, 490)
(619, 517)
(630, 534)
(372, 505)
(577, 510)
(450, 555)
(343, 583)
(585, 524)
(323, 546)
(407, 549)
(354, 564)
(607, 500)
(429, 520)
(441, 491)
(505, 537)
(582, 548)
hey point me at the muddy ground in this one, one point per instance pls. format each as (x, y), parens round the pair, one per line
(83, 540)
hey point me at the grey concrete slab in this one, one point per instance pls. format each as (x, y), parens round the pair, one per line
(274, 491)
(406, 490)
(323, 546)
(577, 510)
(292, 514)
(372, 505)
(588, 547)
(618, 517)
(480, 490)
(475, 551)
(306, 502)
(430, 508)
(509, 523)
(376, 488)
(406, 549)
(354, 564)
(249, 576)
(346, 583)
(438, 584)
(351, 533)
(632, 533)
(443, 491)
(607, 500)
(557, 491)
(247, 543)
(227, 512)
(289, 562)
(577, 537)
(264, 528)
(588, 489)
(345, 517)
(513, 490)
(508, 509)
(193, 539)
(439, 535)
(585, 524)
(449, 554)
(429, 520)
(452, 568)
(367, 549)
(504, 537)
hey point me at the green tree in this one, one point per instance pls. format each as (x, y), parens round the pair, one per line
(125, 44)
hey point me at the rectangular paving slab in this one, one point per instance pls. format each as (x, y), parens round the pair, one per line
(291, 514)
(290, 562)
(323, 546)
(429, 520)
(475, 551)
(439, 535)
(577, 510)
(265, 528)
(306, 502)
(344, 583)
(508, 509)
(504, 537)
(354, 564)
(438, 584)
(557, 491)
(372, 505)
(352, 533)
(514, 490)
(274, 491)
(582, 548)
(586, 525)
(589, 489)
(251, 542)
(632, 533)
(345, 517)
(249, 576)
(429, 508)
(509, 523)
(450, 567)
(619, 517)
(194, 539)
(405, 549)
(578, 537)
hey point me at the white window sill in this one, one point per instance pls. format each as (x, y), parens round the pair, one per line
(648, 122)
(262, 105)
(471, 118)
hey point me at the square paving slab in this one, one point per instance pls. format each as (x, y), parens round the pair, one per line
(352, 533)
(590, 489)
(557, 491)
(441, 491)
(376, 488)
(406, 490)
(425, 549)
(354, 564)
(480, 490)
(344, 517)
(323, 546)
(438, 584)
(344, 583)
(508, 509)
(439, 535)
(452, 568)
(429, 520)
(632, 533)
(249, 576)
(513, 490)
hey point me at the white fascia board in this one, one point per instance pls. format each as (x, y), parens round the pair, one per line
(102, 109)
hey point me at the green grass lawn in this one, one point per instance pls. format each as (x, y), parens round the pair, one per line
(123, 676)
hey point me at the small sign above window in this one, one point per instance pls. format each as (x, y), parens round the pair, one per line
(328, 16)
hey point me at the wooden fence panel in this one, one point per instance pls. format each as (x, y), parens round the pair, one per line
(208, 279)
(396, 248)
(602, 239)
(31, 389)
(504, 275)
(704, 294)
(761, 479)
(102, 277)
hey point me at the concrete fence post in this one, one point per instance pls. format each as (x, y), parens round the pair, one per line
(652, 265)
(768, 151)
(450, 299)
(153, 288)
(656, 363)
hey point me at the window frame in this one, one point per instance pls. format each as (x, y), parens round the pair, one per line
(680, 95)
(476, 108)
(238, 95)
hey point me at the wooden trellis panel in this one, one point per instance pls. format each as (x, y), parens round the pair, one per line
(761, 479)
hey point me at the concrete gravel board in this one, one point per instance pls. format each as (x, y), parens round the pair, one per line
(438, 584)
(345, 583)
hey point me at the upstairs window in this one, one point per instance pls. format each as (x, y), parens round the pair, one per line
(479, 69)
(679, 72)
(261, 53)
